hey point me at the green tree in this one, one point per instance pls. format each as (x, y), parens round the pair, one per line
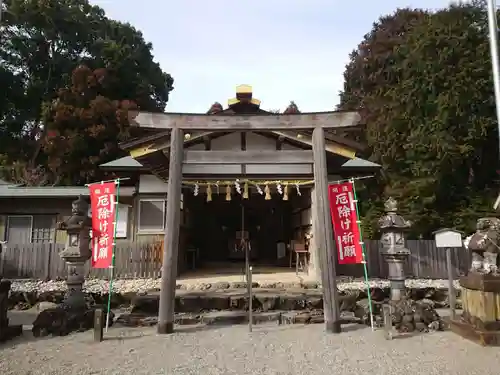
(366, 75)
(42, 42)
(427, 98)
(83, 128)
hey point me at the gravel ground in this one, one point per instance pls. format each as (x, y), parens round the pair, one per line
(233, 350)
(143, 285)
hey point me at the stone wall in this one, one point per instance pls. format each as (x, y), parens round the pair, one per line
(265, 299)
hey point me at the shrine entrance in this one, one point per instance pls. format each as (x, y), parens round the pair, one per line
(269, 226)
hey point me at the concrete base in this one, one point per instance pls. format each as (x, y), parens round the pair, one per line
(480, 320)
(469, 332)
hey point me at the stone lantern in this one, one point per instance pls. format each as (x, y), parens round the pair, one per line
(77, 251)
(394, 252)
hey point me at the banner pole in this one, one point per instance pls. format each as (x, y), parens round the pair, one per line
(363, 250)
(103, 182)
(112, 267)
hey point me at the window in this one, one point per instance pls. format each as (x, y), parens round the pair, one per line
(151, 215)
(43, 230)
(122, 223)
(30, 228)
(19, 229)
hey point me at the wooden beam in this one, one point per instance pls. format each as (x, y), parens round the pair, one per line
(213, 169)
(278, 169)
(171, 240)
(323, 233)
(248, 157)
(331, 147)
(184, 121)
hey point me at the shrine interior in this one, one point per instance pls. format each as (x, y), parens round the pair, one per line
(214, 229)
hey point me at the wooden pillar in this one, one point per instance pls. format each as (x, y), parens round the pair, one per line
(314, 260)
(172, 228)
(324, 233)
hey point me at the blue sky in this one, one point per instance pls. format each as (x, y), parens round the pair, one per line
(287, 50)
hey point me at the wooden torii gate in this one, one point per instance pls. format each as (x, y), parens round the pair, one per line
(323, 231)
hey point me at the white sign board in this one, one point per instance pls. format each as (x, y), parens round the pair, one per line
(122, 224)
(448, 238)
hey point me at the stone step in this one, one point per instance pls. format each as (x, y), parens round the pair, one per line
(263, 300)
(232, 318)
(232, 299)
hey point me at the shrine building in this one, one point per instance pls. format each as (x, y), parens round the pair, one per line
(247, 178)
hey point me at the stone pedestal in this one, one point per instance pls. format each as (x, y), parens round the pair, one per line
(7, 331)
(75, 298)
(395, 265)
(480, 320)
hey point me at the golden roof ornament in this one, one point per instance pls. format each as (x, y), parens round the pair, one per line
(244, 94)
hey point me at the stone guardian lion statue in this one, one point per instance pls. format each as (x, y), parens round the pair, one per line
(484, 244)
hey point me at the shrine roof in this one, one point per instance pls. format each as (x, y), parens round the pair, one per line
(14, 191)
(245, 109)
(128, 162)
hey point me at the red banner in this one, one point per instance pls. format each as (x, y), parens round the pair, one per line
(102, 203)
(345, 226)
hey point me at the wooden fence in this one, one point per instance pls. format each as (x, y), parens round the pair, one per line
(426, 261)
(42, 261)
(143, 260)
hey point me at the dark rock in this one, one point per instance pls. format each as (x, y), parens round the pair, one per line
(221, 285)
(288, 285)
(268, 285)
(237, 317)
(149, 321)
(348, 301)
(225, 318)
(421, 327)
(215, 302)
(407, 315)
(204, 286)
(314, 303)
(146, 304)
(266, 302)
(292, 302)
(187, 319)
(56, 296)
(302, 318)
(189, 303)
(21, 306)
(128, 297)
(242, 285)
(130, 320)
(62, 320)
(310, 285)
